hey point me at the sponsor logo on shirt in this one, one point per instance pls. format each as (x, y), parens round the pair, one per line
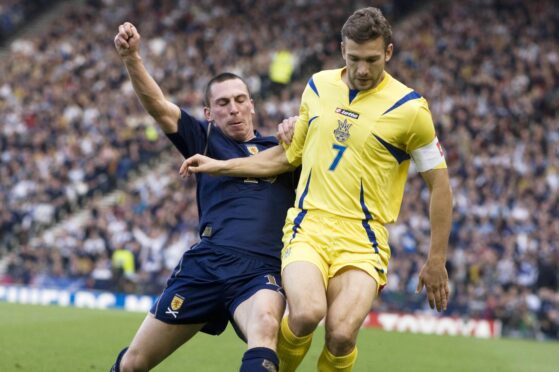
(347, 113)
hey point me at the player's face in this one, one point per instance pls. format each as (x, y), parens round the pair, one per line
(231, 109)
(365, 62)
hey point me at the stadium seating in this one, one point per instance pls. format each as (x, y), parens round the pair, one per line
(14, 14)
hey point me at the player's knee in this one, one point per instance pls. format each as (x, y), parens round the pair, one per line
(269, 322)
(340, 341)
(306, 319)
(266, 325)
(134, 361)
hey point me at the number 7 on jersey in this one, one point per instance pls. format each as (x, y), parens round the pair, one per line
(340, 149)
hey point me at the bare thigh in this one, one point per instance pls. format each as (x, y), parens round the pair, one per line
(306, 296)
(350, 297)
(259, 316)
(156, 340)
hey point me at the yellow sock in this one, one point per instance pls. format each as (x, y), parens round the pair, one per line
(331, 363)
(291, 348)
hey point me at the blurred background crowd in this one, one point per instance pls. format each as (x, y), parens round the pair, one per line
(74, 140)
(14, 14)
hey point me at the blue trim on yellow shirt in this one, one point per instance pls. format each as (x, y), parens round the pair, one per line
(312, 119)
(399, 155)
(299, 219)
(370, 233)
(313, 86)
(352, 94)
(305, 192)
(404, 99)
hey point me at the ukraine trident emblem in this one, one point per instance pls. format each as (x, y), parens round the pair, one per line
(342, 132)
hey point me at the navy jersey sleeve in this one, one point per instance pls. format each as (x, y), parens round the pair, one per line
(190, 137)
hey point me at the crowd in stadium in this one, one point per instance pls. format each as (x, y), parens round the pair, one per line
(15, 13)
(73, 129)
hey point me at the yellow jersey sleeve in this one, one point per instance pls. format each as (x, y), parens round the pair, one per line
(422, 130)
(422, 142)
(309, 105)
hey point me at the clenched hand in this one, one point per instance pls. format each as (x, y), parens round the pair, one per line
(127, 41)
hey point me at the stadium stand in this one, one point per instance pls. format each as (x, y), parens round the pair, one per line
(73, 133)
(15, 14)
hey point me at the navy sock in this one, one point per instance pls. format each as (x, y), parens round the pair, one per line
(260, 359)
(116, 366)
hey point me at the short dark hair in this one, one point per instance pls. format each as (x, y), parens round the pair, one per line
(224, 76)
(367, 24)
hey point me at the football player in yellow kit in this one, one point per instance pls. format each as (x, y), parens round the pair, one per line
(357, 131)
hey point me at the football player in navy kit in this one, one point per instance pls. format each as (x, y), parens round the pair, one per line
(233, 273)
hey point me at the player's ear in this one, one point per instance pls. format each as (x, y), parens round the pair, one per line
(342, 48)
(252, 111)
(208, 113)
(388, 52)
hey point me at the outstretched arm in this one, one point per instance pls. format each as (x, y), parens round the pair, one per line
(165, 113)
(433, 275)
(270, 162)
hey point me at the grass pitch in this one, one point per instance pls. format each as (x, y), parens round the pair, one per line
(43, 338)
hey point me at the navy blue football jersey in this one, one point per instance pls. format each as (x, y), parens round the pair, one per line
(246, 214)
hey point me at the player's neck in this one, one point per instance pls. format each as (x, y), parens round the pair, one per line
(380, 80)
(250, 136)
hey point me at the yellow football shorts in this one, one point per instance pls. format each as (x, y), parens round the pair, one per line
(333, 243)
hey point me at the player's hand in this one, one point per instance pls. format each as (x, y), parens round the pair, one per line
(286, 130)
(200, 164)
(434, 277)
(127, 41)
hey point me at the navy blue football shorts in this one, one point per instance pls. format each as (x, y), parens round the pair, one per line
(209, 283)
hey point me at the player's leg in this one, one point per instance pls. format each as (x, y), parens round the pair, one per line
(350, 295)
(154, 341)
(305, 268)
(306, 295)
(258, 319)
(304, 285)
(192, 301)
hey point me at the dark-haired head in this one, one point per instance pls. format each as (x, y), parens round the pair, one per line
(367, 24)
(224, 76)
(366, 48)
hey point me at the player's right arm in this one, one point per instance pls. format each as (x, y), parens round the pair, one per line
(165, 113)
(294, 150)
(270, 162)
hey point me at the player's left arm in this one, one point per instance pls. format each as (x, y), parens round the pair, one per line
(433, 275)
(423, 145)
(270, 162)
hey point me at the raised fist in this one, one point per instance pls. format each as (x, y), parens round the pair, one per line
(127, 41)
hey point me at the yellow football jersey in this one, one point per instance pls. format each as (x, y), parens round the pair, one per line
(355, 146)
